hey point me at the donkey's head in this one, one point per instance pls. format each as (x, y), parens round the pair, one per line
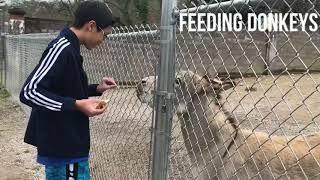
(188, 86)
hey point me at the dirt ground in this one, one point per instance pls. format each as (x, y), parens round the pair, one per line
(17, 160)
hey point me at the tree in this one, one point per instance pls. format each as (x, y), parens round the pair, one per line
(16, 2)
(69, 6)
(129, 12)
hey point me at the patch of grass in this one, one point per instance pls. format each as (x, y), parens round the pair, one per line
(3, 92)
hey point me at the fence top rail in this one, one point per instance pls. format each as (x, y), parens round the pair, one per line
(138, 33)
(115, 35)
(32, 36)
(203, 8)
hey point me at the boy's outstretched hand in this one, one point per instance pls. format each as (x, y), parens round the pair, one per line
(91, 107)
(105, 84)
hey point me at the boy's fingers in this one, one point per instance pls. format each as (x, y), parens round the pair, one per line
(112, 86)
(100, 111)
(109, 81)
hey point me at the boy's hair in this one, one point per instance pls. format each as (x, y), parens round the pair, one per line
(92, 10)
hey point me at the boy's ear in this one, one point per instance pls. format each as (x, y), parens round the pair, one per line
(91, 25)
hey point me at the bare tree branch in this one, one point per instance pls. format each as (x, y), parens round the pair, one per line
(121, 9)
(67, 6)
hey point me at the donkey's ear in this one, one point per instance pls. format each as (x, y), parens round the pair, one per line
(207, 78)
(221, 83)
(210, 83)
(228, 83)
(214, 81)
(203, 85)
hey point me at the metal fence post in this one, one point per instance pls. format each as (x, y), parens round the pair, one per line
(5, 59)
(2, 69)
(164, 92)
(2, 64)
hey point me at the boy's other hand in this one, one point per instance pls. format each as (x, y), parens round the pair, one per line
(91, 107)
(105, 84)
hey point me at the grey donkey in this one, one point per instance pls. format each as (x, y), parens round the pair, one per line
(222, 150)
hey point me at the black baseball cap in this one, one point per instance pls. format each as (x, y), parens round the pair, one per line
(93, 10)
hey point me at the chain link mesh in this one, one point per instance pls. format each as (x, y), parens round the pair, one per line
(266, 126)
(22, 54)
(121, 137)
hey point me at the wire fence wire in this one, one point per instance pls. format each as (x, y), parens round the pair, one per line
(247, 103)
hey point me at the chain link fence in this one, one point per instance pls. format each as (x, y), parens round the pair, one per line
(264, 125)
(121, 137)
(22, 54)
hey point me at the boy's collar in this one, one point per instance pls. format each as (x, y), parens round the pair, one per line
(71, 36)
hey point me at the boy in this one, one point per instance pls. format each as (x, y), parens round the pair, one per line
(58, 91)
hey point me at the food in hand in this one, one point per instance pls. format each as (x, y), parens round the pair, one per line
(102, 104)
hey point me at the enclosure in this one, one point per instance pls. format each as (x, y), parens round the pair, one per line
(275, 90)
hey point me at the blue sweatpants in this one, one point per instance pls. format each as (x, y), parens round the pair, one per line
(76, 171)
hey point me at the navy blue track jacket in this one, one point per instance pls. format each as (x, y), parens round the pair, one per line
(55, 127)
